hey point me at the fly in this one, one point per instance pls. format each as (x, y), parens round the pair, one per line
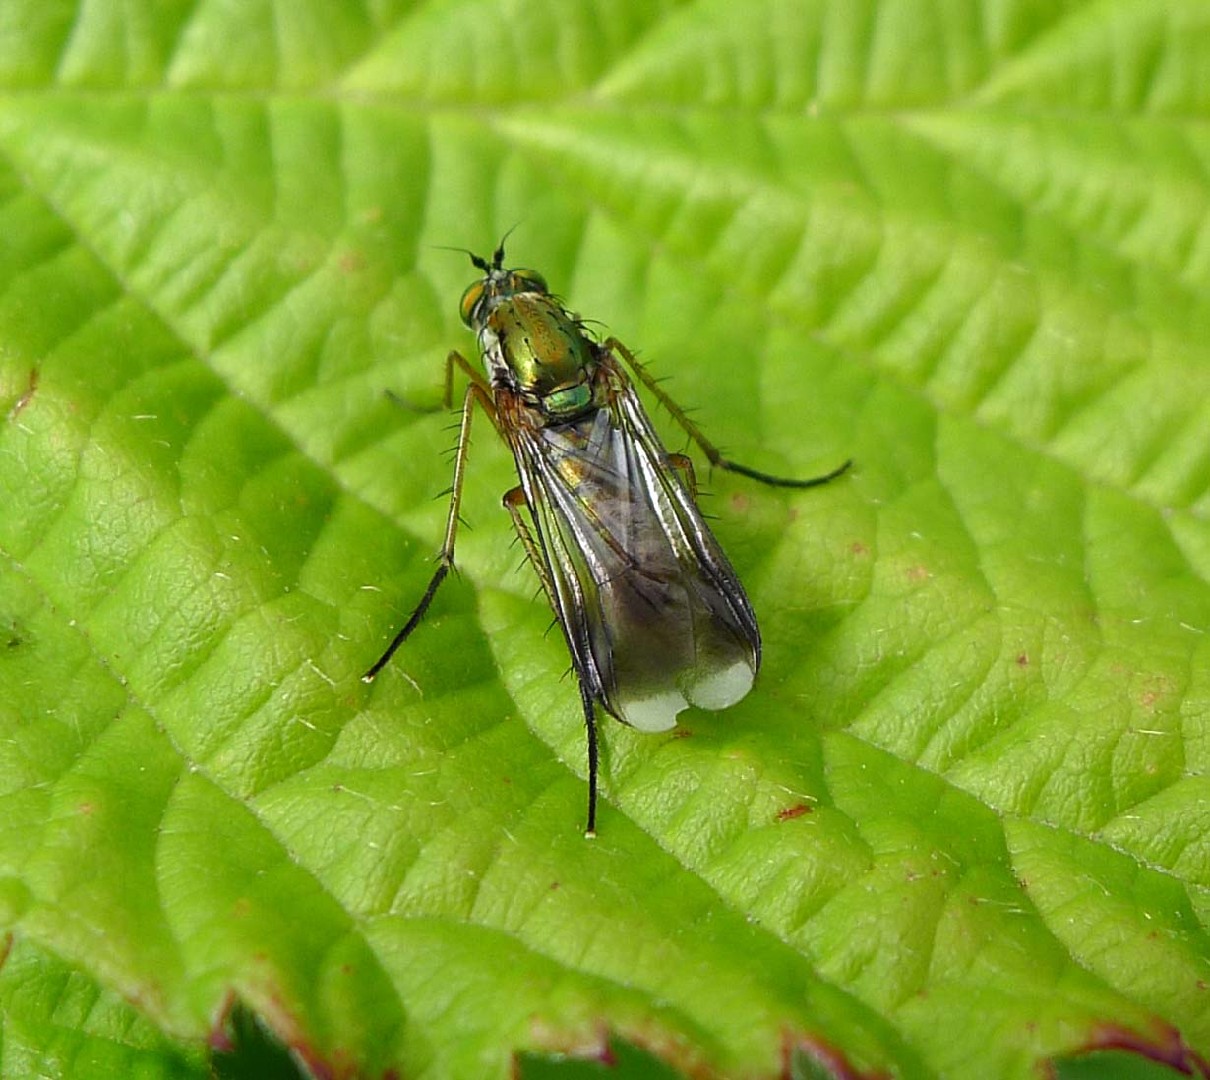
(653, 614)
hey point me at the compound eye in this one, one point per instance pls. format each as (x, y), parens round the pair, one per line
(470, 301)
(529, 281)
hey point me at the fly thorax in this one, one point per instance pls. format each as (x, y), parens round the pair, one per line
(543, 349)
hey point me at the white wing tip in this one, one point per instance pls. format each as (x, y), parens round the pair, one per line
(716, 690)
(721, 689)
(657, 712)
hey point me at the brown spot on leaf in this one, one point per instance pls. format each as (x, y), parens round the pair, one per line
(792, 812)
(26, 397)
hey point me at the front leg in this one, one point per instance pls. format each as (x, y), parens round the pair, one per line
(475, 395)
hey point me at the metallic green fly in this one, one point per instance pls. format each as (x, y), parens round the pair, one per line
(653, 614)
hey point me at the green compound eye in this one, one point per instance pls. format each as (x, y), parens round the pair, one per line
(528, 281)
(470, 300)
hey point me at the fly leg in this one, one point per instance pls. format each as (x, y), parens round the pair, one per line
(684, 465)
(476, 394)
(712, 452)
(456, 359)
(514, 500)
(590, 726)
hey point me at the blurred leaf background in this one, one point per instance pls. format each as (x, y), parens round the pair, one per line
(961, 826)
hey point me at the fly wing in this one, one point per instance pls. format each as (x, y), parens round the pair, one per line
(653, 613)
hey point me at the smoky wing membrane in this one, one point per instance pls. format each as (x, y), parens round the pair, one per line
(654, 615)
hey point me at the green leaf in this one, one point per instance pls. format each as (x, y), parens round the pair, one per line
(57, 1022)
(960, 826)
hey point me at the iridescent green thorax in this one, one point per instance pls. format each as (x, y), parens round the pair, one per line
(530, 343)
(547, 355)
